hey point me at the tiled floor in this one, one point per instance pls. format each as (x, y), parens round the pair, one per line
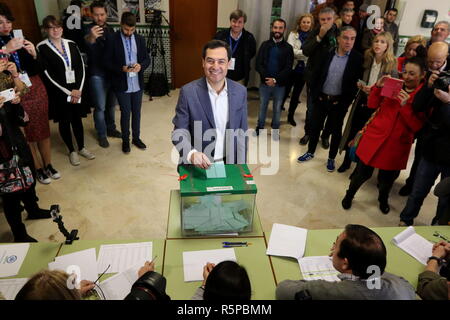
(119, 196)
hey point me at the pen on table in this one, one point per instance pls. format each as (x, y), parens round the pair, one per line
(233, 243)
(153, 260)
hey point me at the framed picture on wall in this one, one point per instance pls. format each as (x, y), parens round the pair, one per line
(132, 6)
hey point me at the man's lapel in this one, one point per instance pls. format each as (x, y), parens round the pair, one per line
(203, 96)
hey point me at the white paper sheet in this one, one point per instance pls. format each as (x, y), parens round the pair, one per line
(413, 244)
(11, 258)
(194, 261)
(118, 286)
(121, 257)
(318, 268)
(10, 287)
(85, 261)
(287, 241)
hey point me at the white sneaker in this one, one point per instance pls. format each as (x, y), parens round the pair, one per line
(74, 159)
(87, 154)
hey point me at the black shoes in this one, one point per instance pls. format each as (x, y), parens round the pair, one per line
(347, 201)
(138, 143)
(405, 190)
(345, 165)
(126, 147)
(39, 214)
(103, 142)
(384, 206)
(304, 140)
(291, 120)
(325, 143)
(25, 238)
(114, 134)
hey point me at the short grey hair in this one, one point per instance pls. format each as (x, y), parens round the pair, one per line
(443, 22)
(327, 10)
(346, 28)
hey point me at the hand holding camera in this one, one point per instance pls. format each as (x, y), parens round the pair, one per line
(442, 95)
(96, 32)
(31, 49)
(14, 44)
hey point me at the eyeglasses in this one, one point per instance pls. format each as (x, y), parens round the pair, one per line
(55, 28)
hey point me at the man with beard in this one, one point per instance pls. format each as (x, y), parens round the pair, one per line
(100, 86)
(274, 64)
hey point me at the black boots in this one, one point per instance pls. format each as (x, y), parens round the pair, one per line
(347, 201)
(291, 120)
(346, 164)
(384, 205)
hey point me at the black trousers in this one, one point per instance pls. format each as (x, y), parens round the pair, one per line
(415, 165)
(13, 209)
(386, 179)
(335, 112)
(297, 81)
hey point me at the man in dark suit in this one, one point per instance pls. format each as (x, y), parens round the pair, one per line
(333, 92)
(242, 44)
(126, 58)
(211, 114)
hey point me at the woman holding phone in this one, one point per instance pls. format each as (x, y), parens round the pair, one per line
(386, 141)
(379, 60)
(64, 69)
(23, 53)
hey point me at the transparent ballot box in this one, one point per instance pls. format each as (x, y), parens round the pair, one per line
(220, 200)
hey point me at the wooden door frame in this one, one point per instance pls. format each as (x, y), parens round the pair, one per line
(172, 37)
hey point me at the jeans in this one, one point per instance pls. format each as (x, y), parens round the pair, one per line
(426, 175)
(104, 103)
(130, 106)
(264, 95)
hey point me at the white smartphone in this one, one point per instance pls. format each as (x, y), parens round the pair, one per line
(8, 94)
(18, 33)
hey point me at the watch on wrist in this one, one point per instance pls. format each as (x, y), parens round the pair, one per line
(440, 261)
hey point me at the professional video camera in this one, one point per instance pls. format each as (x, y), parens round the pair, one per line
(443, 81)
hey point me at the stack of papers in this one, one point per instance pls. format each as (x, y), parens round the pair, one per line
(212, 216)
(216, 170)
(11, 287)
(121, 257)
(119, 286)
(414, 245)
(194, 261)
(11, 258)
(84, 262)
(318, 268)
(287, 241)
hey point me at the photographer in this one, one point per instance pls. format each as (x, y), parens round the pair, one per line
(434, 100)
(99, 80)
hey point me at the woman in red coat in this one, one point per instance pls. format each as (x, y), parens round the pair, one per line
(388, 138)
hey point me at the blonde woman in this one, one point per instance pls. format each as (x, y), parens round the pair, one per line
(297, 37)
(411, 51)
(379, 60)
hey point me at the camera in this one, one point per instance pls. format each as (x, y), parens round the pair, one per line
(443, 81)
(151, 286)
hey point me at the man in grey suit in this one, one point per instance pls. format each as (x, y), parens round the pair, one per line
(211, 114)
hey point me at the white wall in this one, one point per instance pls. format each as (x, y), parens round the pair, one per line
(45, 8)
(413, 12)
(223, 12)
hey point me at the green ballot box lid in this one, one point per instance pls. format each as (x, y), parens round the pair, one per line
(238, 180)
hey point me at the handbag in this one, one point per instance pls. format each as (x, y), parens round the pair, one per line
(353, 144)
(14, 177)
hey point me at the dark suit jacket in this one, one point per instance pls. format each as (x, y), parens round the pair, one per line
(194, 109)
(115, 59)
(352, 73)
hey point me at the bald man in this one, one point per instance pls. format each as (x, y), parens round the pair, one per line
(434, 141)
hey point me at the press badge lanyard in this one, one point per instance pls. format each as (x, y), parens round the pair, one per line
(64, 54)
(70, 74)
(129, 45)
(234, 48)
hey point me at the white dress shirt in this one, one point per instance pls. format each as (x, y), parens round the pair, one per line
(374, 72)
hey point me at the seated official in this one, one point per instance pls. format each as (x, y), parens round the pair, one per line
(434, 282)
(226, 281)
(356, 251)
